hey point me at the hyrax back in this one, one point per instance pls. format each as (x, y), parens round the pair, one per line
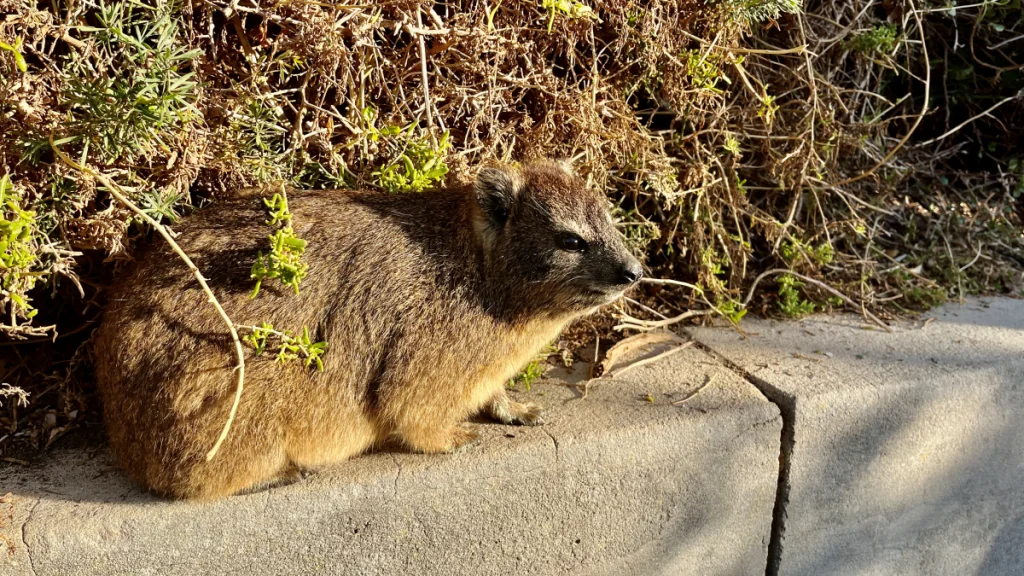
(429, 302)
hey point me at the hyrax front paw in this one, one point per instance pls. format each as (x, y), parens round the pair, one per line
(505, 410)
(528, 414)
(464, 437)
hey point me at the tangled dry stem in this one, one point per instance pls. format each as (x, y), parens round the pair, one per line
(728, 148)
(920, 116)
(120, 196)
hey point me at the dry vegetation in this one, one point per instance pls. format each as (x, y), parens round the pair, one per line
(869, 147)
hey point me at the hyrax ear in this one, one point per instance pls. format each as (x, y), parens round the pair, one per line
(565, 165)
(497, 190)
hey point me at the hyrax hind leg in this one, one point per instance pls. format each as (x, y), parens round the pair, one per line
(428, 427)
(435, 439)
(508, 411)
(290, 474)
(229, 474)
(435, 423)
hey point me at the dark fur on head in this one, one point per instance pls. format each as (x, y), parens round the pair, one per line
(544, 227)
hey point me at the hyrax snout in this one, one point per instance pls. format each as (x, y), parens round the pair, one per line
(429, 302)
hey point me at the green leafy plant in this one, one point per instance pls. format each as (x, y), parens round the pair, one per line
(1016, 168)
(533, 370)
(637, 231)
(289, 347)
(790, 302)
(757, 11)
(419, 165)
(319, 175)
(821, 254)
(880, 39)
(926, 297)
(258, 137)
(145, 93)
(731, 309)
(370, 130)
(17, 253)
(566, 8)
(527, 375)
(284, 261)
(732, 146)
(705, 70)
(160, 205)
(15, 50)
(768, 109)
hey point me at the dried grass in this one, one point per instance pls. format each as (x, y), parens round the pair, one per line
(733, 140)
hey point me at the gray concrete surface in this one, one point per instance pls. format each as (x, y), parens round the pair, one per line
(613, 485)
(904, 452)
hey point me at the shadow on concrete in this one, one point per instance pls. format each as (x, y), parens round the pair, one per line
(1002, 312)
(612, 485)
(1004, 556)
(907, 454)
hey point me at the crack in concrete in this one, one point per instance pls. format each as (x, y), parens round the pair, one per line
(504, 476)
(24, 537)
(757, 425)
(553, 441)
(427, 532)
(266, 502)
(786, 404)
(398, 474)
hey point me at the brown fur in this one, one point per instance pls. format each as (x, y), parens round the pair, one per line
(429, 303)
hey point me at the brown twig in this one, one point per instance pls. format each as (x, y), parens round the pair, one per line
(645, 361)
(819, 284)
(960, 126)
(424, 77)
(707, 381)
(920, 116)
(116, 192)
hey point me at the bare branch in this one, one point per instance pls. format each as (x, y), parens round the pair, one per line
(116, 192)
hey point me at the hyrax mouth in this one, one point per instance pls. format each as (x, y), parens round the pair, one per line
(605, 294)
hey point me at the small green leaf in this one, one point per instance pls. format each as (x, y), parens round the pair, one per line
(19, 59)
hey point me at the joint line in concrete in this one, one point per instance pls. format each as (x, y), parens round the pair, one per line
(787, 408)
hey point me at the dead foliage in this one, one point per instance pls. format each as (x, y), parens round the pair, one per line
(871, 147)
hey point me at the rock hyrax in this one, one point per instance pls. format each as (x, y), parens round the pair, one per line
(429, 302)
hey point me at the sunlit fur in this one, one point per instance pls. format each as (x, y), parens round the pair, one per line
(429, 302)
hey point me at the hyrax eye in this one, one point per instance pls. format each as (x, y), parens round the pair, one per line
(572, 243)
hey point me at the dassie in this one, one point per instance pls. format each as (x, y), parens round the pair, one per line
(429, 302)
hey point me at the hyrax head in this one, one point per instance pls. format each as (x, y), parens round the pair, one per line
(544, 230)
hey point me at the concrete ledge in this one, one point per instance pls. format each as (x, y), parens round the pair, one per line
(613, 485)
(904, 452)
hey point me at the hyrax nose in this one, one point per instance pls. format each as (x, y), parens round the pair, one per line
(631, 273)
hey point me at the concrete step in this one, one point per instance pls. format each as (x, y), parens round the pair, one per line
(903, 452)
(900, 453)
(614, 484)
